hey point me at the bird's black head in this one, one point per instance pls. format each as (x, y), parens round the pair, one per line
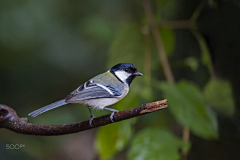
(125, 72)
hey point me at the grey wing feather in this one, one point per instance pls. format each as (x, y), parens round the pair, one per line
(47, 108)
(115, 91)
(88, 93)
(91, 90)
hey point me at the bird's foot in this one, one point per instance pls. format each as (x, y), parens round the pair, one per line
(90, 121)
(92, 116)
(113, 111)
(112, 114)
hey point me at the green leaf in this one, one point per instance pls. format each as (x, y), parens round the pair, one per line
(155, 143)
(113, 138)
(187, 104)
(128, 47)
(219, 94)
(168, 39)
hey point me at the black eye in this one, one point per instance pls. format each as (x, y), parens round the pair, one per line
(126, 69)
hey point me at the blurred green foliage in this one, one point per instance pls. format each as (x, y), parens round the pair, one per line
(127, 46)
(48, 48)
(219, 94)
(205, 57)
(167, 36)
(187, 105)
(156, 143)
(113, 138)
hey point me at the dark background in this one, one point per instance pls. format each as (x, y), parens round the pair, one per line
(48, 48)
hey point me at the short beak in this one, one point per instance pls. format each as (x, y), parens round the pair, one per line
(137, 74)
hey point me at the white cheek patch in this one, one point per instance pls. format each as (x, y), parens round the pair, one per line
(122, 75)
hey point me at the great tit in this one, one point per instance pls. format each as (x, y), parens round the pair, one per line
(100, 91)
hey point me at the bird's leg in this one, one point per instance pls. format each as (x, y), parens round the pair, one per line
(92, 116)
(113, 111)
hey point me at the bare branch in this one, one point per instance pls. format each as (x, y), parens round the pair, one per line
(10, 120)
(158, 40)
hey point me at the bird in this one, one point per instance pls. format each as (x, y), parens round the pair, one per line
(99, 92)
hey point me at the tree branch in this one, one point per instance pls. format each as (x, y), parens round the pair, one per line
(10, 120)
(158, 40)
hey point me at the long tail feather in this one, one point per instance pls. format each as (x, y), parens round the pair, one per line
(47, 108)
